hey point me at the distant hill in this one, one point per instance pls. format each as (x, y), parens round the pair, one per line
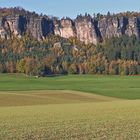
(41, 45)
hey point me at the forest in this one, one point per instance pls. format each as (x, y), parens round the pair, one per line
(57, 56)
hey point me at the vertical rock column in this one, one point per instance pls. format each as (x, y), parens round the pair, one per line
(86, 31)
(3, 33)
(65, 28)
(133, 27)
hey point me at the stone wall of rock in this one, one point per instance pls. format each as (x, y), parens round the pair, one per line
(86, 29)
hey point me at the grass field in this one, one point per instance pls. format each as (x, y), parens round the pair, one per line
(85, 121)
(69, 108)
(126, 87)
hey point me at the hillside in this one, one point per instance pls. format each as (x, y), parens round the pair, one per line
(41, 45)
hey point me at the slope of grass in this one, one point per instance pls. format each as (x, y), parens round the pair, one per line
(24, 98)
(86, 121)
(126, 87)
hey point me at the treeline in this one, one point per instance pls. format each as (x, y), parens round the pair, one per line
(56, 55)
(15, 11)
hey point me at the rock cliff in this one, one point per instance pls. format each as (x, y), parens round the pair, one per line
(85, 28)
(65, 28)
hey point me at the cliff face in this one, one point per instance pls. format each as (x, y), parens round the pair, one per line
(109, 27)
(9, 26)
(90, 30)
(133, 27)
(38, 27)
(65, 28)
(86, 29)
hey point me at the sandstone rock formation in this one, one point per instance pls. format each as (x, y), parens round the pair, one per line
(65, 28)
(86, 29)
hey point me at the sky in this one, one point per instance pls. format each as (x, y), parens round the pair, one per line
(71, 8)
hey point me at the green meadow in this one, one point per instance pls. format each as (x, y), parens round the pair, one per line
(125, 87)
(73, 107)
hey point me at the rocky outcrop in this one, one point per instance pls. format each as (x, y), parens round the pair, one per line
(112, 27)
(86, 31)
(65, 28)
(2, 31)
(11, 26)
(38, 27)
(133, 27)
(85, 28)
(109, 27)
(34, 27)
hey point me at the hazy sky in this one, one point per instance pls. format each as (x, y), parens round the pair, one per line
(71, 8)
